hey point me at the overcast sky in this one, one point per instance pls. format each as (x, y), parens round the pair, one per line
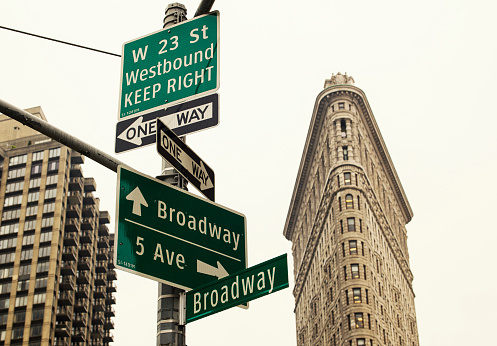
(427, 68)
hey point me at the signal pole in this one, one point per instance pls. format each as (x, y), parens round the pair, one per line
(169, 331)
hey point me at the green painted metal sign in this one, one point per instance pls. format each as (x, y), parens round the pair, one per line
(170, 66)
(172, 236)
(238, 288)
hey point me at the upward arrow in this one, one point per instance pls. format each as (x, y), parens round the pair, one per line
(138, 199)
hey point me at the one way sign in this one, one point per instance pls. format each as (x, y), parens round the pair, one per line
(185, 118)
(185, 160)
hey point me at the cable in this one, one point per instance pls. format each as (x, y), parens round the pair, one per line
(59, 41)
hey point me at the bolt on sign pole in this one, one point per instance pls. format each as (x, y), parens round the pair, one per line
(169, 331)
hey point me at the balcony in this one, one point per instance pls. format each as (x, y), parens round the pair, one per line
(110, 311)
(76, 184)
(90, 185)
(103, 230)
(97, 333)
(83, 277)
(80, 320)
(72, 225)
(86, 236)
(111, 287)
(110, 299)
(62, 330)
(109, 324)
(85, 250)
(76, 171)
(99, 292)
(108, 337)
(68, 268)
(104, 217)
(88, 198)
(82, 291)
(103, 242)
(100, 279)
(71, 239)
(66, 298)
(102, 254)
(78, 335)
(67, 283)
(81, 305)
(98, 318)
(88, 210)
(88, 223)
(62, 342)
(73, 211)
(111, 275)
(77, 158)
(84, 263)
(74, 198)
(69, 253)
(64, 313)
(101, 267)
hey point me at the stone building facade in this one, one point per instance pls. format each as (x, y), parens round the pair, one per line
(346, 222)
(57, 277)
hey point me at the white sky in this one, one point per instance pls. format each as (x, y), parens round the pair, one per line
(427, 68)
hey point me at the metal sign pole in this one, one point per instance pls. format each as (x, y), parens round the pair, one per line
(169, 330)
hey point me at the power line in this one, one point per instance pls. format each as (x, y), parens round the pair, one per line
(59, 41)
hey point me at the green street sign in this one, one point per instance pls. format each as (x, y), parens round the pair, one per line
(169, 66)
(172, 236)
(238, 288)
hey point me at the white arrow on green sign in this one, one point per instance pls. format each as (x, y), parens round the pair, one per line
(170, 66)
(238, 288)
(172, 236)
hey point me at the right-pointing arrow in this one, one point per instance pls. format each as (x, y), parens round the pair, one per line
(205, 268)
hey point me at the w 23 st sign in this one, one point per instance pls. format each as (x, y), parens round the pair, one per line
(170, 66)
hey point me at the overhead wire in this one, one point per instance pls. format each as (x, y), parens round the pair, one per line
(59, 41)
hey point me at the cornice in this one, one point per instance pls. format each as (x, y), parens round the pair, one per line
(322, 101)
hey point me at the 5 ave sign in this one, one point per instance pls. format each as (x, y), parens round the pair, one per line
(185, 160)
(170, 66)
(169, 235)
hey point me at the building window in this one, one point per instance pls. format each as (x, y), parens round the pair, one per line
(353, 247)
(4, 303)
(47, 222)
(17, 333)
(46, 236)
(22, 285)
(39, 298)
(25, 255)
(38, 156)
(21, 301)
(345, 272)
(349, 202)
(367, 297)
(42, 267)
(49, 207)
(343, 128)
(362, 248)
(33, 183)
(37, 314)
(341, 105)
(28, 239)
(359, 322)
(5, 288)
(355, 271)
(340, 203)
(12, 200)
(6, 273)
(346, 178)
(41, 282)
(18, 160)
(44, 251)
(12, 187)
(36, 330)
(33, 196)
(53, 166)
(361, 342)
(9, 229)
(55, 152)
(345, 153)
(52, 179)
(36, 169)
(16, 173)
(365, 277)
(19, 316)
(25, 269)
(351, 224)
(347, 296)
(33, 210)
(357, 295)
(50, 193)
(8, 243)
